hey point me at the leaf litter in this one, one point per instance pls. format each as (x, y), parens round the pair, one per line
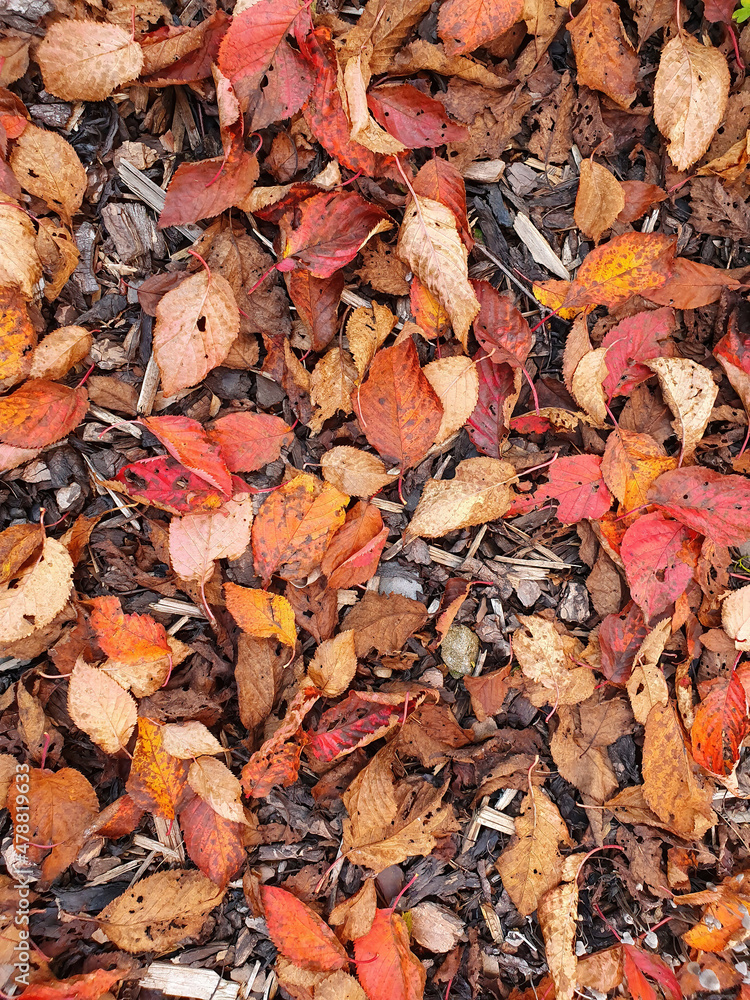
(375, 505)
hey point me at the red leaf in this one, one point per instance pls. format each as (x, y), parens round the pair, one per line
(719, 10)
(213, 842)
(317, 303)
(714, 505)
(40, 413)
(207, 188)
(578, 484)
(299, 933)
(119, 819)
(187, 441)
(127, 638)
(196, 63)
(500, 328)
(412, 117)
(639, 197)
(386, 965)
(498, 392)
(654, 967)
(327, 231)
(438, 179)
(659, 561)
(356, 721)
(620, 638)
(277, 761)
(398, 409)
(164, 483)
(249, 441)
(354, 551)
(89, 986)
(720, 725)
(638, 338)
(271, 79)
(326, 117)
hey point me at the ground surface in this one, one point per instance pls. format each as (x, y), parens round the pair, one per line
(384, 570)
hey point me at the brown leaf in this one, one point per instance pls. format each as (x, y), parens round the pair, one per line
(38, 595)
(366, 330)
(216, 785)
(20, 266)
(599, 201)
(334, 665)
(478, 493)
(557, 914)
(86, 60)
(354, 472)
(384, 622)
(59, 351)
(604, 57)
(48, 167)
(331, 385)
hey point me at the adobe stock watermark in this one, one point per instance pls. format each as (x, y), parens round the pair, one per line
(23, 879)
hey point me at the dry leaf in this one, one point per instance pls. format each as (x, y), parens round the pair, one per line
(646, 685)
(187, 740)
(456, 382)
(59, 351)
(354, 472)
(20, 266)
(599, 201)
(366, 331)
(216, 785)
(735, 617)
(531, 864)
(100, 707)
(48, 167)
(690, 392)
(331, 385)
(86, 60)
(197, 540)
(430, 243)
(261, 614)
(586, 385)
(690, 97)
(38, 595)
(557, 914)
(334, 665)
(479, 492)
(541, 653)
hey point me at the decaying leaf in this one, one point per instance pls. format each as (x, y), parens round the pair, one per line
(479, 492)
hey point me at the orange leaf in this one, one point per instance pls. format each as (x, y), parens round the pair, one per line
(464, 25)
(299, 933)
(386, 965)
(429, 314)
(40, 413)
(157, 779)
(187, 441)
(205, 189)
(397, 407)
(692, 285)
(292, 529)
(261, 614)
(127, 638)
(634, 959)
(626, 265)
(604, 56)
(86, 60)
(277, 761)
(317, 303)
(354, 551)
(196, 324)
(720, 726)
(248, 441)
(89, 986)
(17, 337)
(213, 842)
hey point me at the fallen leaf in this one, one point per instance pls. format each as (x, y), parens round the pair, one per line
(334, 665)
(249, 441)
(543, 658)
(160, 911)
(429, 314)
(49, 168)
(500, 328)
(261, 614)
(531, 864)
(440, 180)
(18, 543)
(197, 540)
(636, 961)
(196, 324)
(720, 725)
(456, 384)
(632, 463)
(605, 59)
(398, 409)
(714, 505)
(366, 331)
(626, 265)
(639, 198)
(557, 914)
(299, 933)
(487, 692)
(354, 472)
(600, 199)
(355, 915)
(690, 97)
(430, 243)
(317, 303)
(631, 343)
(331, 385)
(83, 60)
(40, 413)
(577, 483)
(415, 119)
(213, 843)
(735, 617)
(207, 188)
(465, 26)
(100, 707)
(18, 337)
(187, 442)
(186, 740)
(478, 493)
(690, 392)
(277, 761)
(157, 779)
(353, 553)
(38, 595)
(165, 483)
(659, 556)
(128, 638)
(587, 384)
(646, 685)
(499, 387)
(293, 527)
(59, 351)
(20, 266)
(691, 285)
(384, 622)
(386, 966)
(88, 986)
(212, 781)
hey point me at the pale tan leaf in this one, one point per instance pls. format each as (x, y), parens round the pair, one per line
(86, 60)
(478, 493)
(59, 351)
(543, 657)
(557, 914)
(213, 782)
(355, 472)
(531, 864)
(366, 330)
(38, 595)
(364, 129)
(49, 168)
(189, 739)
(435, 927)
(100, 707)
(735, 617)
(577, 346)
(599, 201)
(339, 986)
(690, 392)
(456, 382)
(429, 242)
(145, 678)
(196, 324)
(20, 266)
(646, 684)
(197, 540)
(332, 382)
(160, 912)
(334, 665)
(586, 384)
(690, 97)
(354, 915)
